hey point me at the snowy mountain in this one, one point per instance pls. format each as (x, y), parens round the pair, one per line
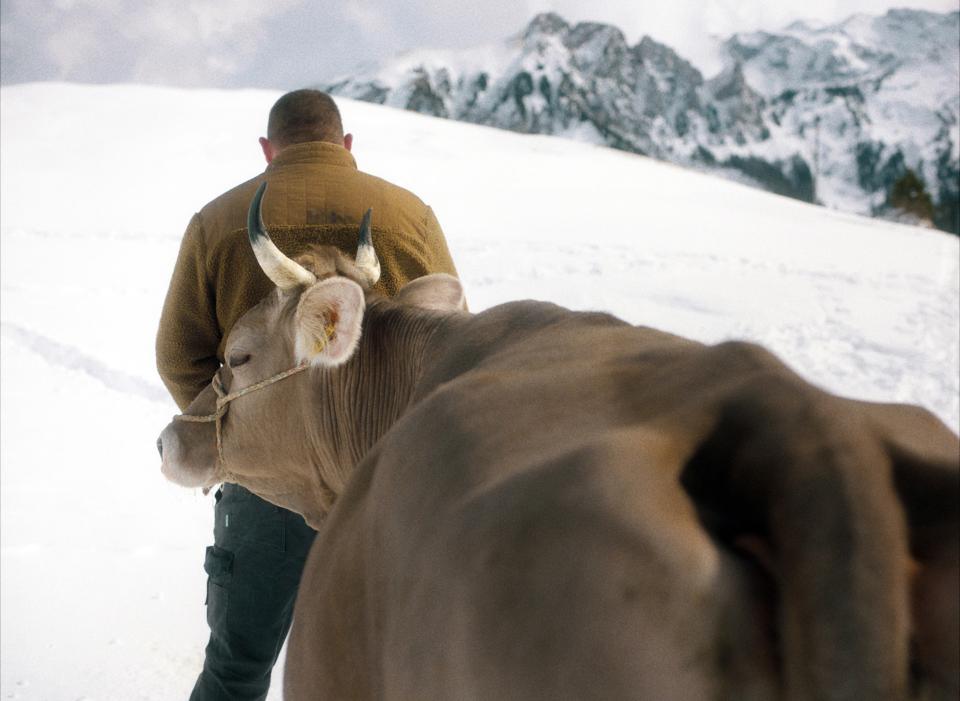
(833, 114)
(101, 559)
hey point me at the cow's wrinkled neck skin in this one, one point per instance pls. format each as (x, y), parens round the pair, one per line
(351, 407)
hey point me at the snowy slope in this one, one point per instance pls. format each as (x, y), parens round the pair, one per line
(101, 579)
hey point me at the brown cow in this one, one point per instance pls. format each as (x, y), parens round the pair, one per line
(534, 503)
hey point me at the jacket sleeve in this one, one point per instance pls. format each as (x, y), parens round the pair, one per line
(189, 334)
(436, 243)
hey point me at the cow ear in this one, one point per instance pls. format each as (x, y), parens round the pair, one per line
(924, 452)
(440, 292)
(328, 322)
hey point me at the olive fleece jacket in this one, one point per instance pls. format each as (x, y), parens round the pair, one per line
(315, 194)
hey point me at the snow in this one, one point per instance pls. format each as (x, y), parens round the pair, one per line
(101, 578)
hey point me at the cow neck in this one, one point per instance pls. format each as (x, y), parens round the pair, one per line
(363, 399)
(395, 342)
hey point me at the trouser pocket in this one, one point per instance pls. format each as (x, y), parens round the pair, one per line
(218, 564)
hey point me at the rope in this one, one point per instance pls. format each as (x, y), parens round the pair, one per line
(223, 402)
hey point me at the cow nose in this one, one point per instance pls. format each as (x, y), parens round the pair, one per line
(160, 446)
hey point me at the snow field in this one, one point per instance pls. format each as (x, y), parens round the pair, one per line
(101, 578)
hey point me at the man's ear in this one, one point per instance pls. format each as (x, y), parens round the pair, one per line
(269, 151)
(440, 292)
(328, 322)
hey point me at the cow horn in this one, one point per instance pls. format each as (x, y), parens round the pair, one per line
(366, 258)
(285, 273)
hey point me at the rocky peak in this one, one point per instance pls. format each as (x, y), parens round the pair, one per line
(595, 34)
(546, 23)
(660, 58)
(908, 34)
(735, 107)
(674, 76)
(598, 48)
(731, 84)
(815, 111)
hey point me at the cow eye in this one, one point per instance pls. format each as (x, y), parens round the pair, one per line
(237, 359)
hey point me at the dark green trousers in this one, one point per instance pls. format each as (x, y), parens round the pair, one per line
(253, 571)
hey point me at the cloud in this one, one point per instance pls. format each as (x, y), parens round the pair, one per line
(290, 43)
(367, 18)
(183, 42)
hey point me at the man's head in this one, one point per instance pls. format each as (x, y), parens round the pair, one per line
(301, 116)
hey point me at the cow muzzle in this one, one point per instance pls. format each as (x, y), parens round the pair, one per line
(188, 457)
(178, 463)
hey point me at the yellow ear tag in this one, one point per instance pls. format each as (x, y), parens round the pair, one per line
(329, 332)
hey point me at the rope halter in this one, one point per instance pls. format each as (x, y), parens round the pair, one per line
(223, 403)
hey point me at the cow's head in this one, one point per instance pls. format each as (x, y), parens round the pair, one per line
(294, 413)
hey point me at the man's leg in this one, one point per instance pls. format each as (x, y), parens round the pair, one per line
(253, 569)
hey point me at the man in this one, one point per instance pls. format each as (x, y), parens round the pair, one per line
(315, 195)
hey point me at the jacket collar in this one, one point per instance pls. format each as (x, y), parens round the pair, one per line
(313, 152)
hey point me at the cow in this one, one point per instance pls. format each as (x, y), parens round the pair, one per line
(536, 503)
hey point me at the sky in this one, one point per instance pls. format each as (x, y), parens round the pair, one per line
(284, 44)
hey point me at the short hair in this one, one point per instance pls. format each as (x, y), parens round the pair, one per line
(304, 115)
